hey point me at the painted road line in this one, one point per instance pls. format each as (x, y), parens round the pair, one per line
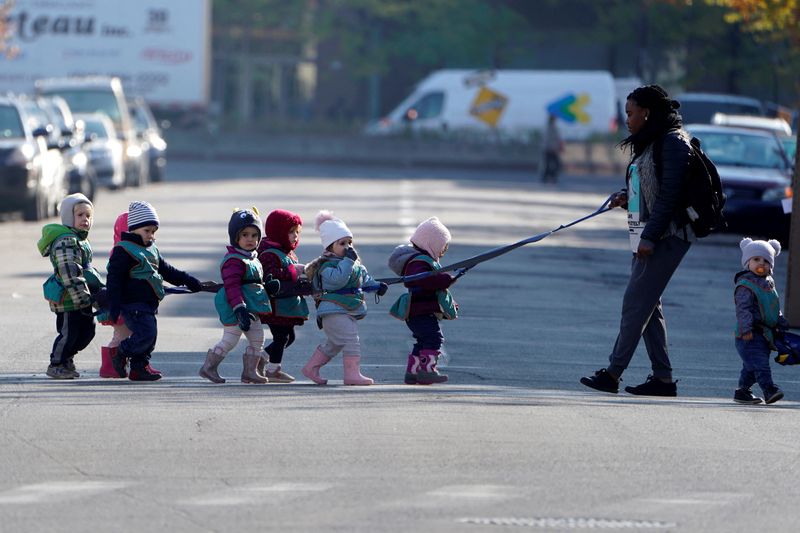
(55, 491)
(255, 494)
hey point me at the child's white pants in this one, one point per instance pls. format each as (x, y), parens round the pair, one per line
(232, 334)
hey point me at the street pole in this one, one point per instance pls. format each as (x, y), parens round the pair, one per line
(792, 306)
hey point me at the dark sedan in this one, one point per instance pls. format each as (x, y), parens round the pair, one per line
(756, 177)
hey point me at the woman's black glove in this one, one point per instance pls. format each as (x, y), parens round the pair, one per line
(382, 289)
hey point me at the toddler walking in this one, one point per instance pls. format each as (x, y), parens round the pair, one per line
(338, 276)
(427, 301)
(121, 331)
(72, 287)
(758, 313)
(136, 275)
(243, 295)
(276, 253)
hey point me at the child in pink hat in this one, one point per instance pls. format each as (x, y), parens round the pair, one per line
(427, 300)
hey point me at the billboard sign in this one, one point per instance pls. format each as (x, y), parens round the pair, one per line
(160, 49)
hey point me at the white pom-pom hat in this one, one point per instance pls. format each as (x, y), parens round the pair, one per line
(766, 249)
(330, 228)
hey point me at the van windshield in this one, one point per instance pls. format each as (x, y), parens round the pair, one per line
(699, 112)
(10, 125)
(92, 101)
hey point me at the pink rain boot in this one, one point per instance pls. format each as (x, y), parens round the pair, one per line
(311, 370)
(106, 367)
(352, 371)
(428, 373)
(412, 368)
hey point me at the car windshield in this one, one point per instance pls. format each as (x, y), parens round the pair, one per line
(92, 101)
(10, 125)
(95, 128)
(742, 150)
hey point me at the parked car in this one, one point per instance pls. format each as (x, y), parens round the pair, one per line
(104, 149)
(755, 175)
(31, 172)
(148, 132)
(103, 94)
(699, 108)
(72, 143)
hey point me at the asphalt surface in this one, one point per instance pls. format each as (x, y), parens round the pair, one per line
(513, 441)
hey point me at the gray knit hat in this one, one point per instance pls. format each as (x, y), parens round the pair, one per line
(141, 214)
(68, 207)
(766, 249)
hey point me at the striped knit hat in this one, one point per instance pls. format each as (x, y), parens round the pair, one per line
(141, 214)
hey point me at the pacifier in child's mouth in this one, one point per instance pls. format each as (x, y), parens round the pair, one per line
(762, 270)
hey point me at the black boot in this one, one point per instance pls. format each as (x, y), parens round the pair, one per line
(140, 370)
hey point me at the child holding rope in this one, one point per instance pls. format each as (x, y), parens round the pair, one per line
(276, 253)
(338, 276)
(136, 274)
(242, 297)
(427, 300)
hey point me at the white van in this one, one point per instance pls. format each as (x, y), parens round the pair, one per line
(103, 94)
(512, 103)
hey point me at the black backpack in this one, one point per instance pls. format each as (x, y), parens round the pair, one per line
(702, 199)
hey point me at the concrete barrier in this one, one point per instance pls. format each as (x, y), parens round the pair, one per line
(579, 157)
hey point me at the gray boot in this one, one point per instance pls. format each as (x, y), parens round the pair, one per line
(209, 368)
(250, 361)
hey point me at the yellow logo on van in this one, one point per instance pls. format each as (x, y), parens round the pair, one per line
(488, 106)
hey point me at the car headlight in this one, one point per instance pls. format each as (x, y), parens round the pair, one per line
(133, 151)
(776, 193)
(21, 157)
(79, 160)
(159, 144)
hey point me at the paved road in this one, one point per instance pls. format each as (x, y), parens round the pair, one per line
(512, 441)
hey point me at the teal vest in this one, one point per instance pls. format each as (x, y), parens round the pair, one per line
(53, 288)
(255, 297)
(351, 302)
(293, 306)
(147, 260)
(447, 306)
(769, 305)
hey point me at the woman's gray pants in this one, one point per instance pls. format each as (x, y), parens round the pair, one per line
(641, 308)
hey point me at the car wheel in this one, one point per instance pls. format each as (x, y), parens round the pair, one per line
(37, 207)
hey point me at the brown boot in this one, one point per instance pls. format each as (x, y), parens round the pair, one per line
(209, 369)
(250, 361)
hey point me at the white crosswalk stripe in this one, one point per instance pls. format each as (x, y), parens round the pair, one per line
(52, 491)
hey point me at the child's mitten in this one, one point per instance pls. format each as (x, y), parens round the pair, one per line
(272, 286)
(243, 317)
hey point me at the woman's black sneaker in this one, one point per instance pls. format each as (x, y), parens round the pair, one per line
(745, 396)
(602, 381)
(773, 395)
(654, 387)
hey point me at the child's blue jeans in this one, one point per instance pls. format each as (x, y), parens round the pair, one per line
(142, 342)
(755, 363)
